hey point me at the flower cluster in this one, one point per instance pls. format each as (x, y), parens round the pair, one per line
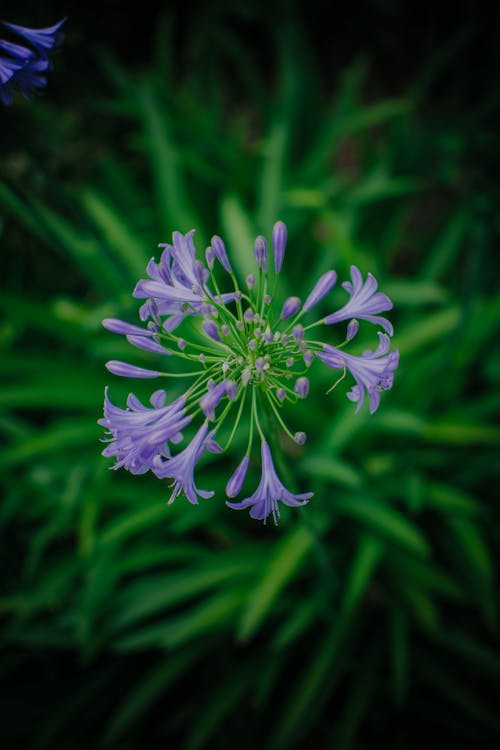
(23, 68)
(245, 356)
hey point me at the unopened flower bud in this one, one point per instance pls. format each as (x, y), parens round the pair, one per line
(260, 252)
(290, 307)
(220, 253)
(210, 257)
(352, 329)
(308, 358)
(233, 487)
(301, 387)
(322, 287)
(268, 336)
(246, 376)
(211, 329)
(279, 244)
(125, 370)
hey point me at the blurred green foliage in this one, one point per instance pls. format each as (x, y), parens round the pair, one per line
(372, 612)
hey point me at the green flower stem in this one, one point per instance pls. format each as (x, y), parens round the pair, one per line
(279, 417)
(181, 374)
(236, 421)
(178, 353)
(337, 381)
(254, 411)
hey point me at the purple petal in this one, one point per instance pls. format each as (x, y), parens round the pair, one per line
(235, 483)
(120, 326)
(125, 370)
(260, 252)
(290, 307)
(220, 253)
(279, 244)
(148, 345)
(321, 288)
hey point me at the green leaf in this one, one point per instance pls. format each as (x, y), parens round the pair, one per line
(147, 690)
(331, 469)
(117, 232)
(361, 571)
(239, 233)
(174, 210)
(427, 330)
(272, 177)
(287, 557)
(456, 433)
(406, 293)
(157, 593)
(62, 435)
(212, 615)
(385, 521)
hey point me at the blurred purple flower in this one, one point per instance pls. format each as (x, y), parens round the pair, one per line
(22, 68)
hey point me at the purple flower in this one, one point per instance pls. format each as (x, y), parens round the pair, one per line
(120, 326)
(235, 483)
(180, 468)
(211, 329)
(220, 253)
(17, 51)
(365, 302)
(139, 434)
(22, 71)
(264, 500)
(227, 354)
(372, 371)
(147, 345)
(260, 252)
(290, 307)
(322, 287)
(213, 396)
(25, 78)
(124, 370)
(210, 257)
(177, 283)
(42, 40)
(279, 244)
(301, 387)
(352, 329)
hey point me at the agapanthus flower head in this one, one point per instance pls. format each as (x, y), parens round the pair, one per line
(246, 352)
(22, 67)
